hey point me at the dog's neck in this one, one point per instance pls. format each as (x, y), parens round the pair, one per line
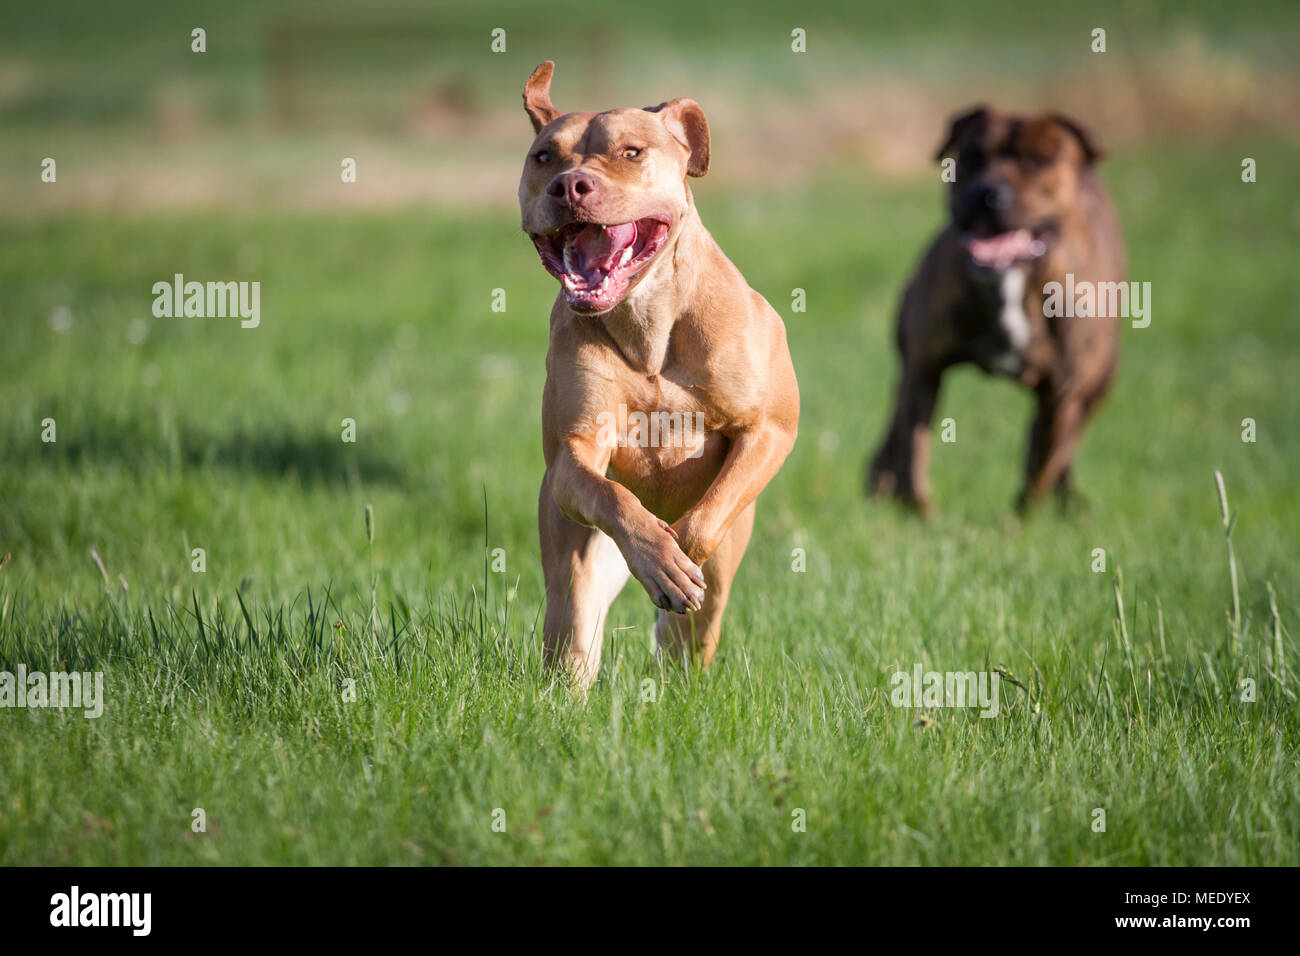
(642, 324)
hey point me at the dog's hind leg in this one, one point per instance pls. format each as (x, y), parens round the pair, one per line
(584, 573)
(695, 635)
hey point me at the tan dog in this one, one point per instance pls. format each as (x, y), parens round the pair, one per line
(670, 398)
(1027, 210)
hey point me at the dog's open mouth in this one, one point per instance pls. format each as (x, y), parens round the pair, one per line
(1005, 249)
(595, 263)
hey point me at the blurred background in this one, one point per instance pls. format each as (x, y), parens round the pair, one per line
(415, 89)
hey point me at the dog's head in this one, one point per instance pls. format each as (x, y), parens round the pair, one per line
(1017, 179)
(602, 193)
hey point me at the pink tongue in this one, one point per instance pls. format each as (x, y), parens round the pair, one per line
(1002, 250)
(595, 248)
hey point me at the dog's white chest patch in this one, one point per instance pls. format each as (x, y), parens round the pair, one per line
(1015, 323)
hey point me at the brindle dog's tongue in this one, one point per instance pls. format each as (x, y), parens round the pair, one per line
(1003, 250)
(595, 250)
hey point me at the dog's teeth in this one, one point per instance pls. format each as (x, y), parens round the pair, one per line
(627, 256)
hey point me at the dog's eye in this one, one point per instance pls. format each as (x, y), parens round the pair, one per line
(542, 158)
(970, 157)
(629, 152)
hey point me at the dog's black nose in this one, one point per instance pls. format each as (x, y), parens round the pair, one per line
(982, 202)
(997, 197)
(570, 189)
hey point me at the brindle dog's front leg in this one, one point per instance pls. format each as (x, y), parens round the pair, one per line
(1053, 439)
(901, 464)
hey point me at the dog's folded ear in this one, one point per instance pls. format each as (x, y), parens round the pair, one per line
(685, 120)
(960, 127)
(537, 96)
(1091, 151)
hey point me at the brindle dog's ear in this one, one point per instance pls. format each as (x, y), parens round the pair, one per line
(960, 128)
(1091, 151)
(685, 120)
(537, 96)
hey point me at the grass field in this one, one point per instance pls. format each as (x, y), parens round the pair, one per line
(225, 689)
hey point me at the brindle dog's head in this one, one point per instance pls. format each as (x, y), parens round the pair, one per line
(603, 193)
(1018, 177)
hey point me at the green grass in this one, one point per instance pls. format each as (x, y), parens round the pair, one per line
(225, 689)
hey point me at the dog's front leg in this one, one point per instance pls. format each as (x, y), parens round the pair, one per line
(900, 466)
(754, 457)
(1053, 438)
(648, 544)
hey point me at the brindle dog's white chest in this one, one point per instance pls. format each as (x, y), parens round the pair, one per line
(1013, 320)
